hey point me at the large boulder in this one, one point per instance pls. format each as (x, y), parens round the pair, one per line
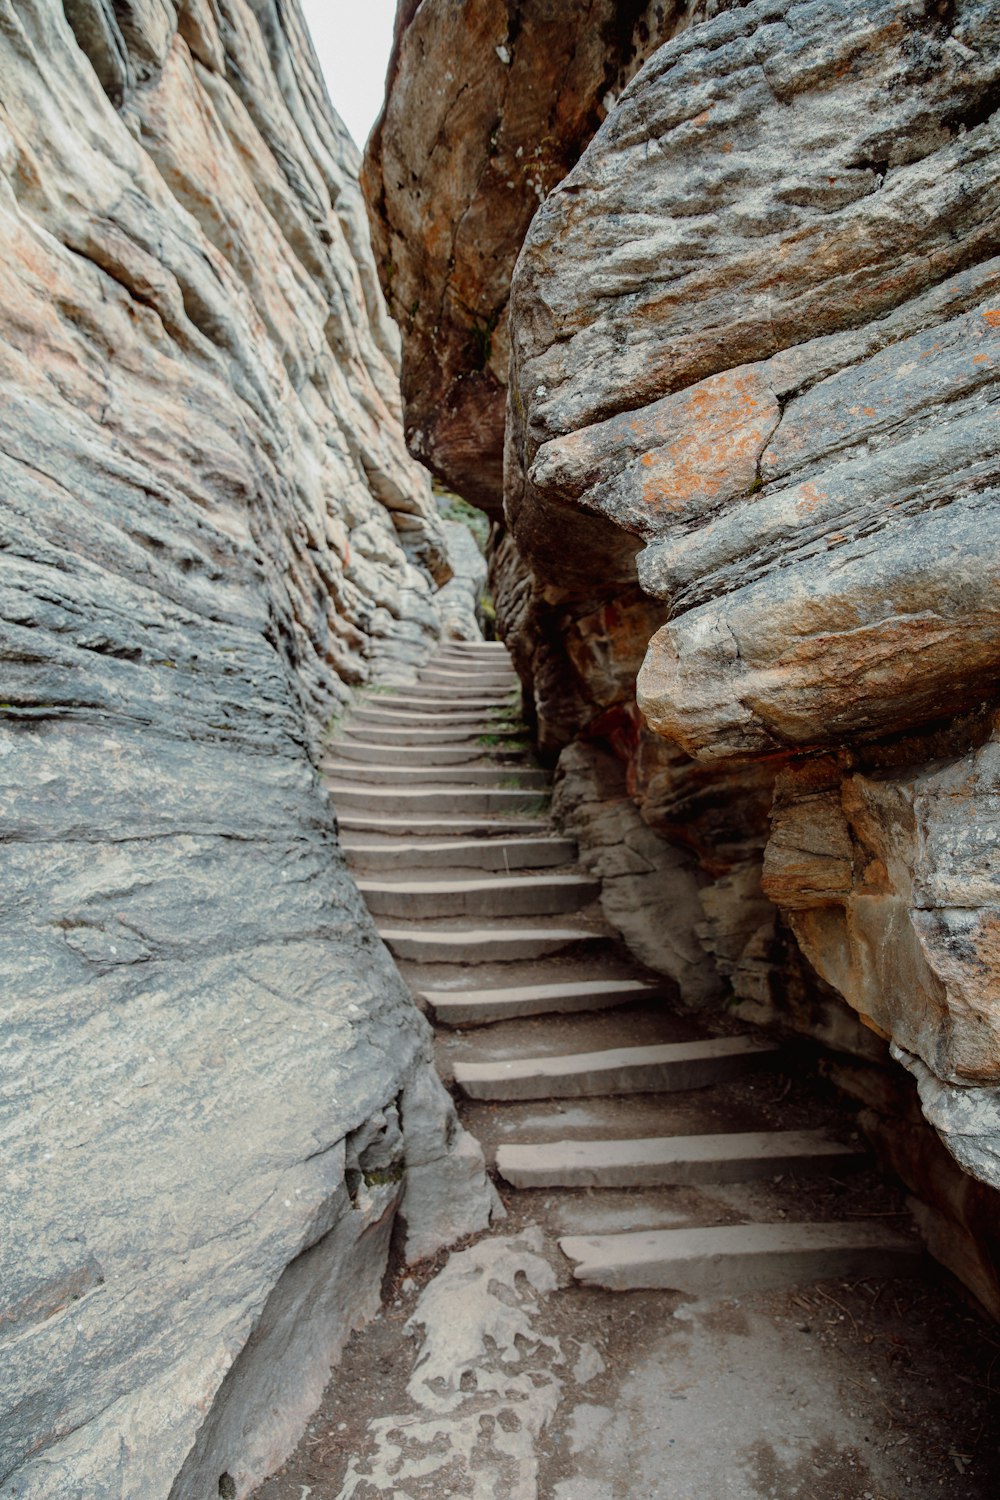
(754, 354)
(217, 1092)
(487, 107)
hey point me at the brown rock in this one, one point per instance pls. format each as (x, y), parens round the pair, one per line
(487, 109)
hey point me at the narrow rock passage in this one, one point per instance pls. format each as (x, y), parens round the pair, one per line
(445, 825)
(771, 1275)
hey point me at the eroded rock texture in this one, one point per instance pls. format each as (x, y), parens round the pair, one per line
(488, 106)
(752, 461)
(765, 353)
(216, 1092)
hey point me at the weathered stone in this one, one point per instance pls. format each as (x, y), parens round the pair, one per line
(649, 889)
(457, 603)
(211, 530)
(487, 109)
(765, 353)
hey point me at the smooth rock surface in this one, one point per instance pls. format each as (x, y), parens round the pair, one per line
(211, 531)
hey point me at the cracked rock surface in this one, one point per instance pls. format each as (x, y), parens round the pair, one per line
(211, 530)
(758, 363)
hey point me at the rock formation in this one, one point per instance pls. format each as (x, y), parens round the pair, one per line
(217, 1091)
(751, 458)
(481, 120)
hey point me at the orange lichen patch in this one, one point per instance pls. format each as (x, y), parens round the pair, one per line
(727, 146)
(981, 359)
(696, 446)
(811, 499)
(703, 117)
(992, 316)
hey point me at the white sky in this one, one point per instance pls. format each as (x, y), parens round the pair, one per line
(353, 39)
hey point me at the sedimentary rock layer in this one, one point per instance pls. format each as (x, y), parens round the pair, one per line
(488, 106)
(216, 1090)
(754, 341)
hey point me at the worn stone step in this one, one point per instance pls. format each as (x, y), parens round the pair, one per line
(474, 896)
(466, 734)
(403, 712)
(432, 695)
(461, 674)
(407, 777)
(426, 825)
(371, 722)
(455, 854)
(495, 944)
(469, 752)
(620, 1070)
(490, 650)
(479, 1007)
(665, 1160)
(732, 1259)
(455, 800)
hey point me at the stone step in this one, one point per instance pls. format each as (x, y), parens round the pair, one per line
(733, 1259)
(621, 1070)
(466, 735)
(401, 799)
(407, 777)
(461, 675)
(418, 695)
(468, 753)
(428, 826)
(462, 650)
(469, 721)
(483, 945)
(472, 896)
(666, 1160)
(480, 1007)
(455, 854)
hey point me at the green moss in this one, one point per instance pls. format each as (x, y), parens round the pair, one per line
(383, 1176)
(454, 508)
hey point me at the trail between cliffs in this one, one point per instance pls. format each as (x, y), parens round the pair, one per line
(701, 1289)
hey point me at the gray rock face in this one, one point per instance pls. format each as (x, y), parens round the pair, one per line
(758, 363)
(458, 601)
(210, 531)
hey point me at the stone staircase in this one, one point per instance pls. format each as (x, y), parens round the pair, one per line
(630, 1128)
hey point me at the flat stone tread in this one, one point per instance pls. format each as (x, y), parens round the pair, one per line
(413, 886)
(635, 989)
(468, 754)
(476, 720)
(492, 777)
(498, 934)
(450, 852)
(447, 698)
(461, 676)
(470, 1007)
(432, 739)
(613, 1156)
(613, 1059)
(484, 826)
(469, 795)
(646, 1247)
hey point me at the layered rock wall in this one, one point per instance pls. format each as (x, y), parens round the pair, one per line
(751, 461)
(766, 354)
(487, 108)
(217, 1095)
